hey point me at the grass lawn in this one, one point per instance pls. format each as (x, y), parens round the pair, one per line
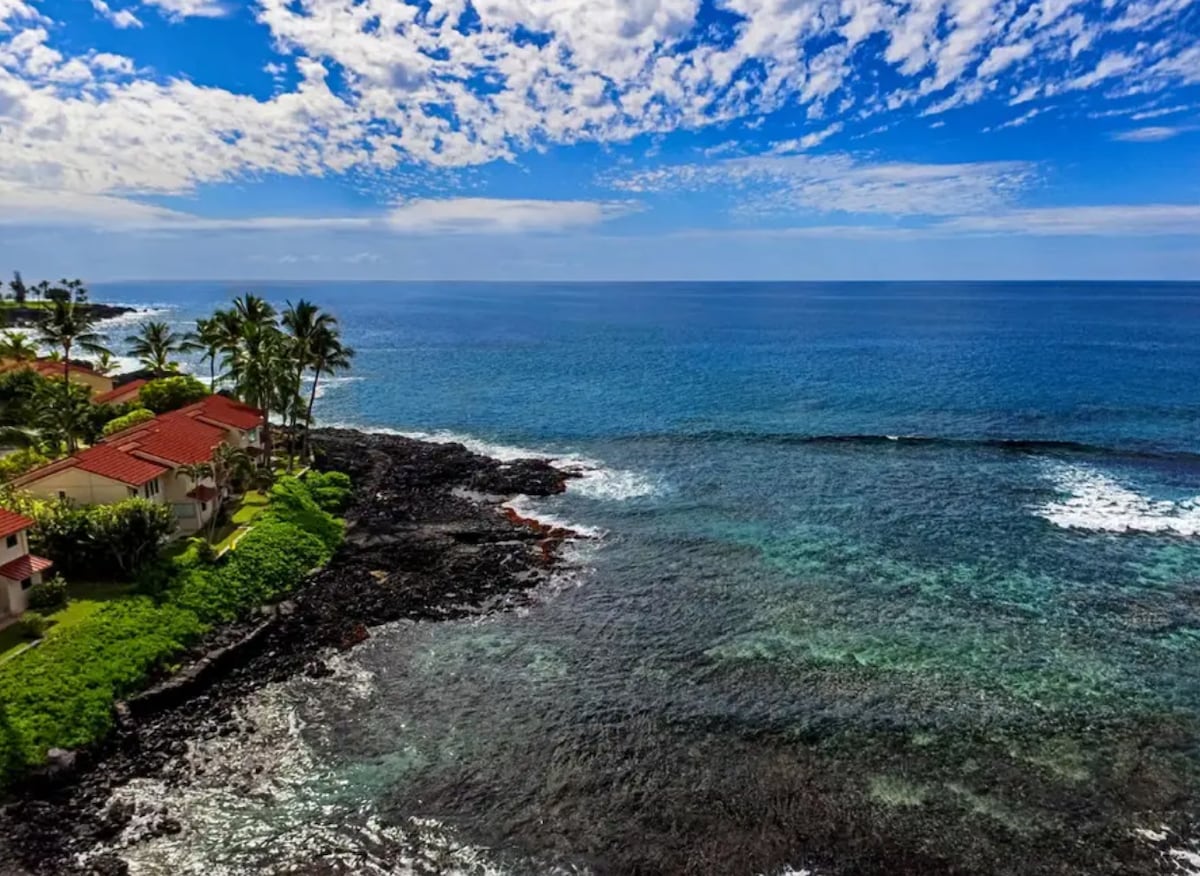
(9, 641)
(253, 504)
(87, 597)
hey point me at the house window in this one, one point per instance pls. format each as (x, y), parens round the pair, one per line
(27, 583)
(132, 492)
(203, 506)
(11, 541)
(151, 488)
(62, 494)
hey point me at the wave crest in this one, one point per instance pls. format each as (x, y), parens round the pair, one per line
(1096, 502)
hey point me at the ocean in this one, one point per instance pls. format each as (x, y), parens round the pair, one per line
(883, 578)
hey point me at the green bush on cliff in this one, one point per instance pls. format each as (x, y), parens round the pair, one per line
(269, 562)
(331, 490)
(293, 502)
(60, 694)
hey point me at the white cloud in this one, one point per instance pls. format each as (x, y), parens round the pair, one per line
(406, 88)
(842, 183)
(1106, 220)
(808, 141)
(120, 19)
(1023, 119)
(1151, 134)
(495, 215)
(180, 9)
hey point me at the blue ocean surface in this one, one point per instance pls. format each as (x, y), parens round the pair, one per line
(883, 578)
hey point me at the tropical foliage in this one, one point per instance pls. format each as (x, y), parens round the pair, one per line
(155, 345)
(69, 327)
(134, 418)
(61, 694)
(17, 347)
(265, 356)
(171, 393)
(110, 542)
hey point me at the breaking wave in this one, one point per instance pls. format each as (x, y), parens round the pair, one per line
(593, 479)
(1092, 500)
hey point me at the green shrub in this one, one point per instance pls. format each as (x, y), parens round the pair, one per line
(98, 541)
(32, 625)
(130, 532)
(20, 461)
(62, 531)
(268, 563)
(291, 502)
(331, 490)
(61, 694)
(133, 418)
(171, 393)
(49, 595)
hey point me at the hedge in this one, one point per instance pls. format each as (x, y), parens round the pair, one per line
(60, 695)
(133, 418)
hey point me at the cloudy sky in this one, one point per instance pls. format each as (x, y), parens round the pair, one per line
(595, 139)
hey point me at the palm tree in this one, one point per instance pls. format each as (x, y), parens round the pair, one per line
(105, 363)
(69, 326)
(254, 356)
(154, 344)
(328, 355)
(19, 289)
(14, 430)
(304, 321)
(17, 346)
(220, 333)
(64, 418)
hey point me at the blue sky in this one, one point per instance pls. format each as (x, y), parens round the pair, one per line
(600, 139)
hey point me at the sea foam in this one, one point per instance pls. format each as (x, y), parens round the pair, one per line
(1092, 500)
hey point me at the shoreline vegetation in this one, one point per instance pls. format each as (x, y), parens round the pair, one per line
(425, 538)
(161, 593)
(157, 639)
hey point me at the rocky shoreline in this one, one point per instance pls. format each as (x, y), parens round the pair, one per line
(29, 317)
(427, 539)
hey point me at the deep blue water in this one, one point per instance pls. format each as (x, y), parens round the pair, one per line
(891, 578)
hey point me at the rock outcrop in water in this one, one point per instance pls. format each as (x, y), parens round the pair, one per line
(426, 539)
(30, 316)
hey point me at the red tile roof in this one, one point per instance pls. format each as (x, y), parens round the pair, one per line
(174, 437)
(117, 465)
(12, 522)
(229, 413)
(119, 393)
(24, 567)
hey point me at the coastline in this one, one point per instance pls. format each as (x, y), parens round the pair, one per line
(428, 538)
(26, 316)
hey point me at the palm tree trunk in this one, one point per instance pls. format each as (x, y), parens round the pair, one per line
(212, 371)
(71, 445)
(266, 409)
(312, 398)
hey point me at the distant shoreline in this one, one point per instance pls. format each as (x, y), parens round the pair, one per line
(28, 315)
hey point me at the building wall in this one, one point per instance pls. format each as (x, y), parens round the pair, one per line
(17, 596)
(20, 549)
(87, 488)
(190, 514)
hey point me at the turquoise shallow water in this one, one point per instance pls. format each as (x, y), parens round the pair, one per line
(891, 579)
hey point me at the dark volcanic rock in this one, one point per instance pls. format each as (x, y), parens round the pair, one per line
(426, 539)
(25, 317)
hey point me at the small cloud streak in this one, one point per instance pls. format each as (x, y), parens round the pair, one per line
(503, 216)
